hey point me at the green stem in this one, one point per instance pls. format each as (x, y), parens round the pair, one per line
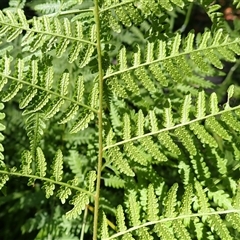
(100, 120)
(187, 18)
(84, 223)
(44, 179)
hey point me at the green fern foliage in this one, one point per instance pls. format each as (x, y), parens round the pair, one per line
(113, 118)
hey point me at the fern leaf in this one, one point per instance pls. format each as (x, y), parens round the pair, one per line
(15, 87)
(198, 60)
(158, 74)
(185, 172)
(187, 199)
(175, 45)
(200, 168)
(214, 59)
(69, 114)
(163, 231)
(149, 52)
(31, 92)
(234, 220)
(152, 204)
(115, 86)
(41, 163)
(27, 97)
(94, 96)
(3, 180)
(81, 124)
(201, 106)
(34, 126)
(126, 127)
(57, 166)
(227, 54)
(214, 103)
(167, 142)
(220, 228)
(79, 89)
(91, 178)
(38, 103)
(26, 160)
(64, 193)
(140, 123)
(188, 43)
(49, 189)
(144, 78)
(130, 84)
(114, 24)
(203, 200)
(186, 139)
(171, 201)
(180, 230)
(79, 201)
(231, 121)
(203, 135)
(134, 209)
(135, 154)
(230, 92)
(216, 127)
(12, 91)
(104, 227)
(153, 121)
(114, 181)
(117, 158)
(183, 65)
(152, 149)
(122, 58)
(186, 109)
(168, 118)
(53, 108)
(171, 68)
(88, 51)
(204, 40)
(120, 219)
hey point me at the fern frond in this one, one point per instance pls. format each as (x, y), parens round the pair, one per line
(163, 231)
(114, 181)
(119, 161)
(186, 139)
(35, 126)
(180, 230)
(134, 153)
(3, 180)
(81, 124)
(171, 201)
(167, 142)
(90, 180)
(57, 166)
(41, 163)
(80, 200)
(104, 227)
(152, 149)
(152, 204)
(26, 160)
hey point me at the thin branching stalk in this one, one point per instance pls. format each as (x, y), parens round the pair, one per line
(100, 119)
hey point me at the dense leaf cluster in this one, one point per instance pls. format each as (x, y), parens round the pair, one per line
(110, 127)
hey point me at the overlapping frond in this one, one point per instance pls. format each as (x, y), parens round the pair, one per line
(47, 34)
(52, 179)
(39, 95)
(202, 125)
(161, 60)
(127, 13)
(178, 222)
